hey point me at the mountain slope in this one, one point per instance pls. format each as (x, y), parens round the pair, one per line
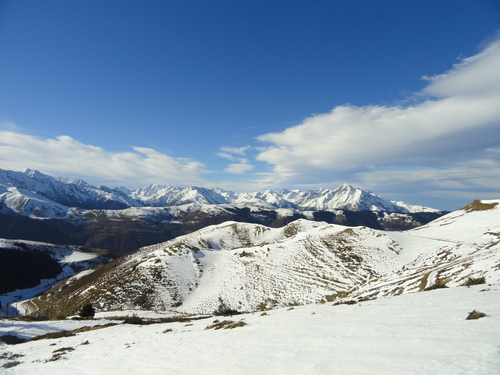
(252, 267)
(448, 251)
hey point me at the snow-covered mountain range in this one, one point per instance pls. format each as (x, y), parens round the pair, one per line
(37, 195)
(38, 207)
(253, 267)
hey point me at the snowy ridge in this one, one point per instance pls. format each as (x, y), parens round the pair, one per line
(252, 266)
(345, 197)
(31, 193)
(160, 196)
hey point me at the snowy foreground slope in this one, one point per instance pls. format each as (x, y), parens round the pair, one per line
(252, 267)
(418, 333)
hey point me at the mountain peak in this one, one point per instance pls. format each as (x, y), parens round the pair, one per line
(346, 188)
(32, 172)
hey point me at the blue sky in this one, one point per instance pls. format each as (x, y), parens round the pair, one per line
(398, 97)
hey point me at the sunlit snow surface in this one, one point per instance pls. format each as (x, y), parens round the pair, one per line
(419, 333)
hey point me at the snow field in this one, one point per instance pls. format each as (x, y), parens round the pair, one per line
(420, 333)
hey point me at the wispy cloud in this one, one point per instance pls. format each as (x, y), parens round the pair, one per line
(235, 154)
(235, 150)
(475, 75)
(65, 156)
(225, 155)
(238, 168)
(447, 133)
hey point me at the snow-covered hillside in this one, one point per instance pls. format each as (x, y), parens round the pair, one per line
(413, 334)
(252, 267)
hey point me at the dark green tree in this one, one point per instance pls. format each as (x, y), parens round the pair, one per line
(87, 311)
(224, 309)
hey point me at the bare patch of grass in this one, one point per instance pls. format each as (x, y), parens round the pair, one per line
(330, 297)
(66, 349)
(53, 335)
(438, 285)
(59, 334)
(477, 205)
(59, 353)
(349, 302)
(87, 328)
(134, 319)
(342, 294)
(226, 324)
(245, 254)
(10, 356)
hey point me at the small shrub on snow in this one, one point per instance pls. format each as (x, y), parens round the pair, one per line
(475, 281)
(224, 309)
(134, 319)
(87, 311)
(475, 315)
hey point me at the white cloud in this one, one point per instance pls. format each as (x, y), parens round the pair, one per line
(457, 119)
(476, 75)
(241, 166)
(235, 150)
(238, 168)
(67, 157)
(225, 155)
